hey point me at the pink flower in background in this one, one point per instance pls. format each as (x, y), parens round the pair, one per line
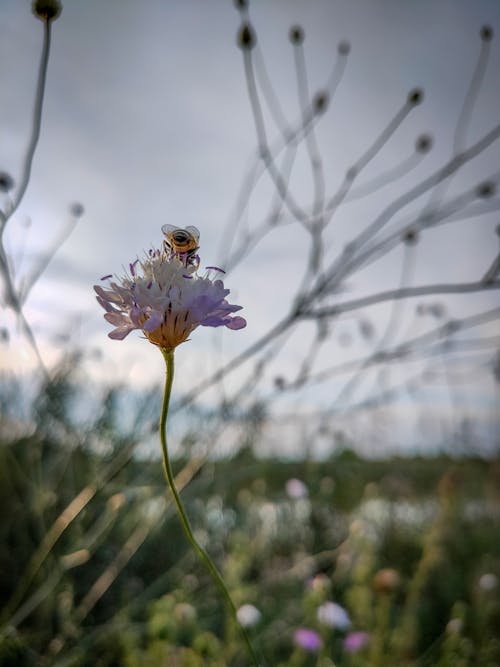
(355, 641)
(307, 639)
(296, 489)
(165, 298)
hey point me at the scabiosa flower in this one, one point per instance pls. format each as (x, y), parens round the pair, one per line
(165, 298)
(307, 639)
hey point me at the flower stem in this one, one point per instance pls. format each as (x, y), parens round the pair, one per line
(200, 551)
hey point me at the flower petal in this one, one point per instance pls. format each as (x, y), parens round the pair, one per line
(120, 332)
(155, 318)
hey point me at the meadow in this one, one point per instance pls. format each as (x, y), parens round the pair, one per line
(384, 562)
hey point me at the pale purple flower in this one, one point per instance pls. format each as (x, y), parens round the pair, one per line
(333, 615)
(355, 641)
(296, 489)
(166, 299)
(307, 639)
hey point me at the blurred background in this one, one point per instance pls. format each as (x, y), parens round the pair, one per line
(339, 455)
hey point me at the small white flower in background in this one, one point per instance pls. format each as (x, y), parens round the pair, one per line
(454, 626)
(248, 615)
(163, 296)
(296, 489)
(488, 582)
(333, 615)
(184, 613)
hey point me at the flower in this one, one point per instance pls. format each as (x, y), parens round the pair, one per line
(454, 626)
(307, 639)
(163, 296)
(320, 583)
(333, 615)
(184, 613)
(296, 489)
(386, 580)
(488, 582)
(355, 641)
(248, 615)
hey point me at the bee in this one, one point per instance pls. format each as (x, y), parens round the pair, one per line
(182, 243)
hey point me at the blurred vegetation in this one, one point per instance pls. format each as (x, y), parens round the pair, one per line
(95, 570)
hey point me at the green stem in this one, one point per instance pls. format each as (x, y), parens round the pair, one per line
(202, 554)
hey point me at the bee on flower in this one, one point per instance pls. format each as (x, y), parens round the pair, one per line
(182, 243)
(163, 295)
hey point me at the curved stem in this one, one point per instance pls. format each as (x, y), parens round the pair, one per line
(36, 122)
(200, 551)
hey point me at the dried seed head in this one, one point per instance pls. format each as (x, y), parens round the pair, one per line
(366, 329)
(46, 10)
(423, 143)
(76, 209)
(320, 101)
(246, 39)
(343, 48)
(496, 368)
(437, 310)
(296, 34)
(410, 237)
(486, 189)
(6, 181)
(415, 96)
(486, 33)
(279, 383)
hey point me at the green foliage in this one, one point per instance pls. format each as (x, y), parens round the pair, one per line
(95, 570)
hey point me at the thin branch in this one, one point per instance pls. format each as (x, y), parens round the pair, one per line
(354, 171)
(404, 293)
(441, 174)
(263, 146)
(36, 124)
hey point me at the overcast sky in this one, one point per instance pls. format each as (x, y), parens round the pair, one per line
(147, 121)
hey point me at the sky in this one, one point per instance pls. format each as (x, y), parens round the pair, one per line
(147, 121)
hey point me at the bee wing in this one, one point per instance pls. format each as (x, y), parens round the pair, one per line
(168, 229)
(194, 231)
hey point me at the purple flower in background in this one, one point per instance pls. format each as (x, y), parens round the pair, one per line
(165, 298)
(355, 641)
(307, 639)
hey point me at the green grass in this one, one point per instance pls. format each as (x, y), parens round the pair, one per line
(116, 584)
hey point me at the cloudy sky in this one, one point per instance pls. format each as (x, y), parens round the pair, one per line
(147, 121)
